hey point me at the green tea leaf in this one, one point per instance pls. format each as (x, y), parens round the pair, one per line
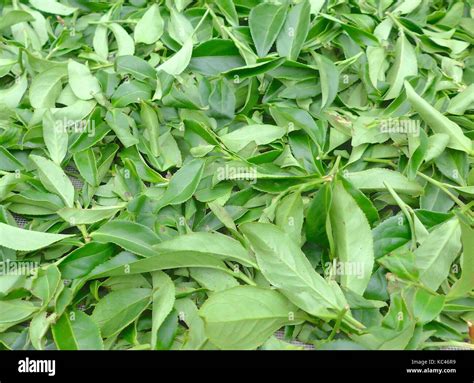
(289, 216)
(438, 251)
(46, 88)
(11, 97)
(427, 306)
(260, 134)
(163, 261)
(438, 122)
(293, 33)
(84, 259)
(150, 27)
(179, 61)
(466, 282)
(46, 283)
(52, 6)
(353, 240)
(244, 317)
(227, 7)
(84, 85)
(374, 179)
(125, 43)
(222, 246)
(329, 75)
(119, 308)
(131, 236)
(265, 22)
(54, 179)
(14, 17)
(285, 266)
(27, 240)
(405, 65)
(163, 301)
(119, 123)
(87, 165)
(86, 216)
(77, 331)
(184, 183)
(55, 137)
(15, 311)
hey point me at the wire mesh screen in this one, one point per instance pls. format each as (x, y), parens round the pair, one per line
(281, 336)
(76, 182)
(20, 221)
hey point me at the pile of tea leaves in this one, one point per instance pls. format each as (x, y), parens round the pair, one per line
(236, 174)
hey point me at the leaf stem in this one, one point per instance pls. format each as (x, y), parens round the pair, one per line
(407, 211)
(337, 325)
(249, 56)
(380, 161)
(85, 234)
(443, 188)
(401, 27)
(201, 21)
(20, 60)
(239, 274)
(114, 22)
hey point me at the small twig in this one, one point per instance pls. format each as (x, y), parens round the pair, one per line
(337, 325)
(443, 188)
